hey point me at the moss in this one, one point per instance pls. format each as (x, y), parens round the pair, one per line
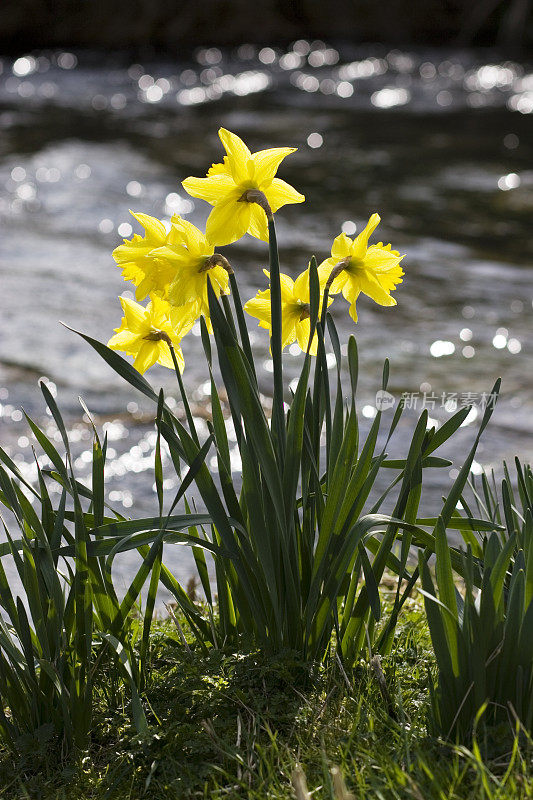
(235, 724)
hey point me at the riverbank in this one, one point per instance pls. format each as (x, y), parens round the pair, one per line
(239, 724)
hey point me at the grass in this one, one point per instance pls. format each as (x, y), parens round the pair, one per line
(238, 724)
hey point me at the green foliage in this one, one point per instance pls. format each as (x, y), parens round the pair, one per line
(483, 640)
(291, 545)
(71, 624)
(510, 508)
(237, 723)
(298, 547)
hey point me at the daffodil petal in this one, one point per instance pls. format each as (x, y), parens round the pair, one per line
(301, 286)
(239, 157)
(143, 289)
(386, 247)
(339, 283)
(387, 275)
(185, 233)
(182, 291)
(324, 270)
(341, 247)
(182, 318)
(164, 356)
(351, 291)
(353, 311)
(219, 280)
(266, 163)
(303, 331)
(258, 226)
(210, 189)
(228, 221)
(178, 253)
(159, 310)
(134, 314)
(280, 193)
(371, 287)
(288, 326)
(360, 243)
(132, 272)
(123, 340)
(287, 288)
(132, 250)
(154, 228)
(155, 278)
(146, 357)
(259, 307)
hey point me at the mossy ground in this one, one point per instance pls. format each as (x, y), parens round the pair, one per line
(235, 725)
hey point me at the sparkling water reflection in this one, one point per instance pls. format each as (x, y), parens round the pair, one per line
(441, 145)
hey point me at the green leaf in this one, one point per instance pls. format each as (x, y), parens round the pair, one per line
(444, 574)
(139, 717)
(278, 412)
(371, 584)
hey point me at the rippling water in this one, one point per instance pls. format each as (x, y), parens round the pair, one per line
(440, 144)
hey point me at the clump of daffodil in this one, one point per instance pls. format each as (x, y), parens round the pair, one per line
(193, 261)
(148, 274)
(354, 267)
(243, 190)
(295, 310)
(147, 334)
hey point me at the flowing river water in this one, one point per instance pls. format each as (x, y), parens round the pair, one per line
(439, 143)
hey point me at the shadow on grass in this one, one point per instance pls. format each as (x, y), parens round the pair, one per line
(236, 724)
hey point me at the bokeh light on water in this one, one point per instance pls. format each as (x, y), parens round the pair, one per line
(439, 143)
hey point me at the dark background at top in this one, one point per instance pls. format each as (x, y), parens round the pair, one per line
(174, 25)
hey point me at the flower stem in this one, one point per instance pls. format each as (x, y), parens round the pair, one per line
(278, 412)
(337, 269)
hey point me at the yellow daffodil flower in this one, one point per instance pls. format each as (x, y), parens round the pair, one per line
(148, 274)
(146, 333)
(354, 267)
(226, 186)
(295, 311)
(193, 261)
